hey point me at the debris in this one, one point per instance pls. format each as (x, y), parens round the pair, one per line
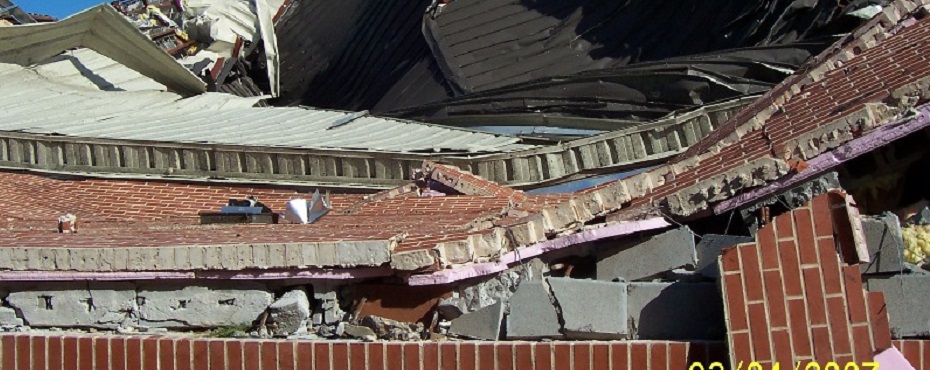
(361, 332)
(708, 249)
(104, 305)
(675, 311)
(290, 312)
(301, 212)
(658, 254)
(67, 223)
(482, 324)
(885, 242)
(170, 306)
(328, 303)
(591, 309)
(532, 315)
(8, 317)
(391, 329)
(451, 308)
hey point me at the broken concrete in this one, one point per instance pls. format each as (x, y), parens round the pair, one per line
(200, 306)
(885, 243)
(591, 309)
(907, 298)
(532, 315)
(486, 293)
(290, 313)
(8, 317)
(708, 249)
(675, 311)
(101, 305)
(656, 255)
(327, 303)
(391, 329)
(699, 196)
(482, 324)
(360, 332)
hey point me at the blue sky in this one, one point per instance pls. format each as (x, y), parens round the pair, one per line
(56, 8)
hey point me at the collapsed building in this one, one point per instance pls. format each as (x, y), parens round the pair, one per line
(783, 221)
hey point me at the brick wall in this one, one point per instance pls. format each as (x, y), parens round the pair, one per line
(789, 297)
(917, 352)
(24, 351)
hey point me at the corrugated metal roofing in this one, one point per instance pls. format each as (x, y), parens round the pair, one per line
(32, 103)
(87, 68)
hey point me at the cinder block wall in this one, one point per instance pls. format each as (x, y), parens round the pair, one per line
(32, 351)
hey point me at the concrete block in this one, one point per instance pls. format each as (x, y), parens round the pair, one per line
(8, 317)
(457, 252)
(885, 244)
(290, 312)
(175, 306)
(532, 315)
(98, 305)
(591, 309)
(656, 255)
(413, 260)
(675, 311)
(708, 249)
(907, 298)
(363, 253)
(482, 324)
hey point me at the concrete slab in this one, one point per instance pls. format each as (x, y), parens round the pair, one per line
(170, 306)
(591, 309)
(655, 255)
(708, 249)
(532, 315)
(885, 244)
(907, 298)
(675, 311)
(482, 324)
(82, 305)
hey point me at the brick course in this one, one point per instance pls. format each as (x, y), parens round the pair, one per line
(32, 351)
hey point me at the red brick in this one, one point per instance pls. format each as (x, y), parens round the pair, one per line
(562, 355)
(448, 355)
(799, 329)
(412, 356)
(791, 269)
(911, 351)
(600, 357)
(24, 352)
(200, 354)
(85, 353)
(234, 355)
(855, 296)
(215, 353)
(775, 298)
(639, 355)
(766, 243)
(56, 358)
(878, 318)
(340, 353)
(305, 356)
(117, 352)
(165, 353)
(784, 225)
(38, 352)
(742, 347)
(581, 356)
(862, 343)
(321, 355)
(620, 357)
(924, 355)
(430, 356)
(183, 354)
(736, 303)
(357, 358)
(752, 275)
(658, 355)
(836, 312)
(781, 346)
(504, 354)
(759, 332)
(830, 265)
(823, 219)
(8, 354)
(394, 355)
(467, 356)
(286, 355)
(729, 259)
(820, 338)
(816, 313)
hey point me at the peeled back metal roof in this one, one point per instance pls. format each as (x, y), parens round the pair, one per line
(34, 103)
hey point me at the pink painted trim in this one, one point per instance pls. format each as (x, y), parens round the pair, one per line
(326, 274)
(873, 140)
(488, 268)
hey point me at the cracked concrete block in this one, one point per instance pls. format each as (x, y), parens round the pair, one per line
(906, 298)
(532, 315)
(528, 233)
(363, 253)
(885, 244)
(559, 217)
(8, 317)
(482, 324)
(489, 245)
(708, 249)
(591, 309)
(457, 252)
(675, 311)
(498, 288)
(98, 305)
(717, 188)
(656, 255)
(175, 306)
(290, 313)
